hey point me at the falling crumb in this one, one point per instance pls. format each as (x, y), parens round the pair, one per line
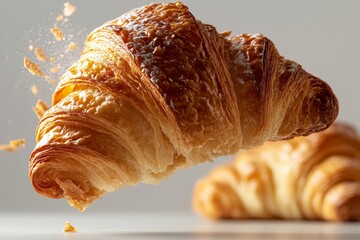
(61, 55)
(34, 89)
(33, 68)
(40, 54)
(31, 47)
(59, 18)
(69, 228)
(58, 34)
(40, 108)
(52, 59)
(54, 69)
(69, 9)
(71, 47)
(13, 145)
(51, 81)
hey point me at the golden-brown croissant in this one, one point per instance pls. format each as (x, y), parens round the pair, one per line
(155, 90)
(313, 177)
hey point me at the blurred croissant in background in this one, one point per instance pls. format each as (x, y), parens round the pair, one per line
(156, 90)
(313, 177)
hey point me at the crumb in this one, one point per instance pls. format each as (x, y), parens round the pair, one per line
(69, 228)
(69, 9)
(52, 59)
(31, 47)
(34, 89)
(14, 145)
(58, 34)
(40, 54)
(33, 68)
(61, 55)
(51, 81)
(66, 20)
(40, 108)
(54, 69)
(59, 18)
(71, 47)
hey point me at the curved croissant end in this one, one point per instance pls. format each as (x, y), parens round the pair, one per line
(155, 90)
(314, 177)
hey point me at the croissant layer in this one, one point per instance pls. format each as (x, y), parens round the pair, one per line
(156, 90)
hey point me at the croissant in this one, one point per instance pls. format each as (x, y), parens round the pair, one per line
(156, 90)
(313, 177)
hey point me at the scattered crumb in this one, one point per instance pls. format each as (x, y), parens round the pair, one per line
(71, 47)
(14, 145)
(34, 89)
(33, 68)
(40, 54)
(52, 59)
(59, 18)
(54, 69)
(40, 108)
(69, 9)
(69, 228)
(61, 55)
(31, 47)
(58, 34)
(51, 81)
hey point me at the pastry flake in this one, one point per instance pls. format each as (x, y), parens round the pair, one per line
(33, 68)
(40, 108)
(58, 34)
(69, 228)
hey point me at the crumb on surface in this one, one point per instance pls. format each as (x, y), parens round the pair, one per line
(58, 34)
(69, 9)
(33, 68)
(40, 108)
(71, 47)
(40, 54)
(13, 145)
(34, 89)
(69, 228)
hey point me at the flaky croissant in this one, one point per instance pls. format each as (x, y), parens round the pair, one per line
(155, 90)
(313, 177)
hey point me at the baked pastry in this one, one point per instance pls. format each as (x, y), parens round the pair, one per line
(156, 90)
(313, 177)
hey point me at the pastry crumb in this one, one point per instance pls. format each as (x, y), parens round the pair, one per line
(69, 228)
(34, 89)
(31, 47)
(40, 54)
(33, 68)
(59, 18)
(71, 47)
(58, 34)
(51, 81)
(40, 108)
(69, 9)
(13, 145)
(54, 69)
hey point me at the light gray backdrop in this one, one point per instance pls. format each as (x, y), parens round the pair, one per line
(322, 35)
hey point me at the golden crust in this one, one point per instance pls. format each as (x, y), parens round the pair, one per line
(153, 91)
(313, 177)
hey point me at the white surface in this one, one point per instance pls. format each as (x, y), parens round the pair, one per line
(165, 226)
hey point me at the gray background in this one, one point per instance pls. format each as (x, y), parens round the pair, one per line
(323, 36)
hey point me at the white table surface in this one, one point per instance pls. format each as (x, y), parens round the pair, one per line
(164, 226)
